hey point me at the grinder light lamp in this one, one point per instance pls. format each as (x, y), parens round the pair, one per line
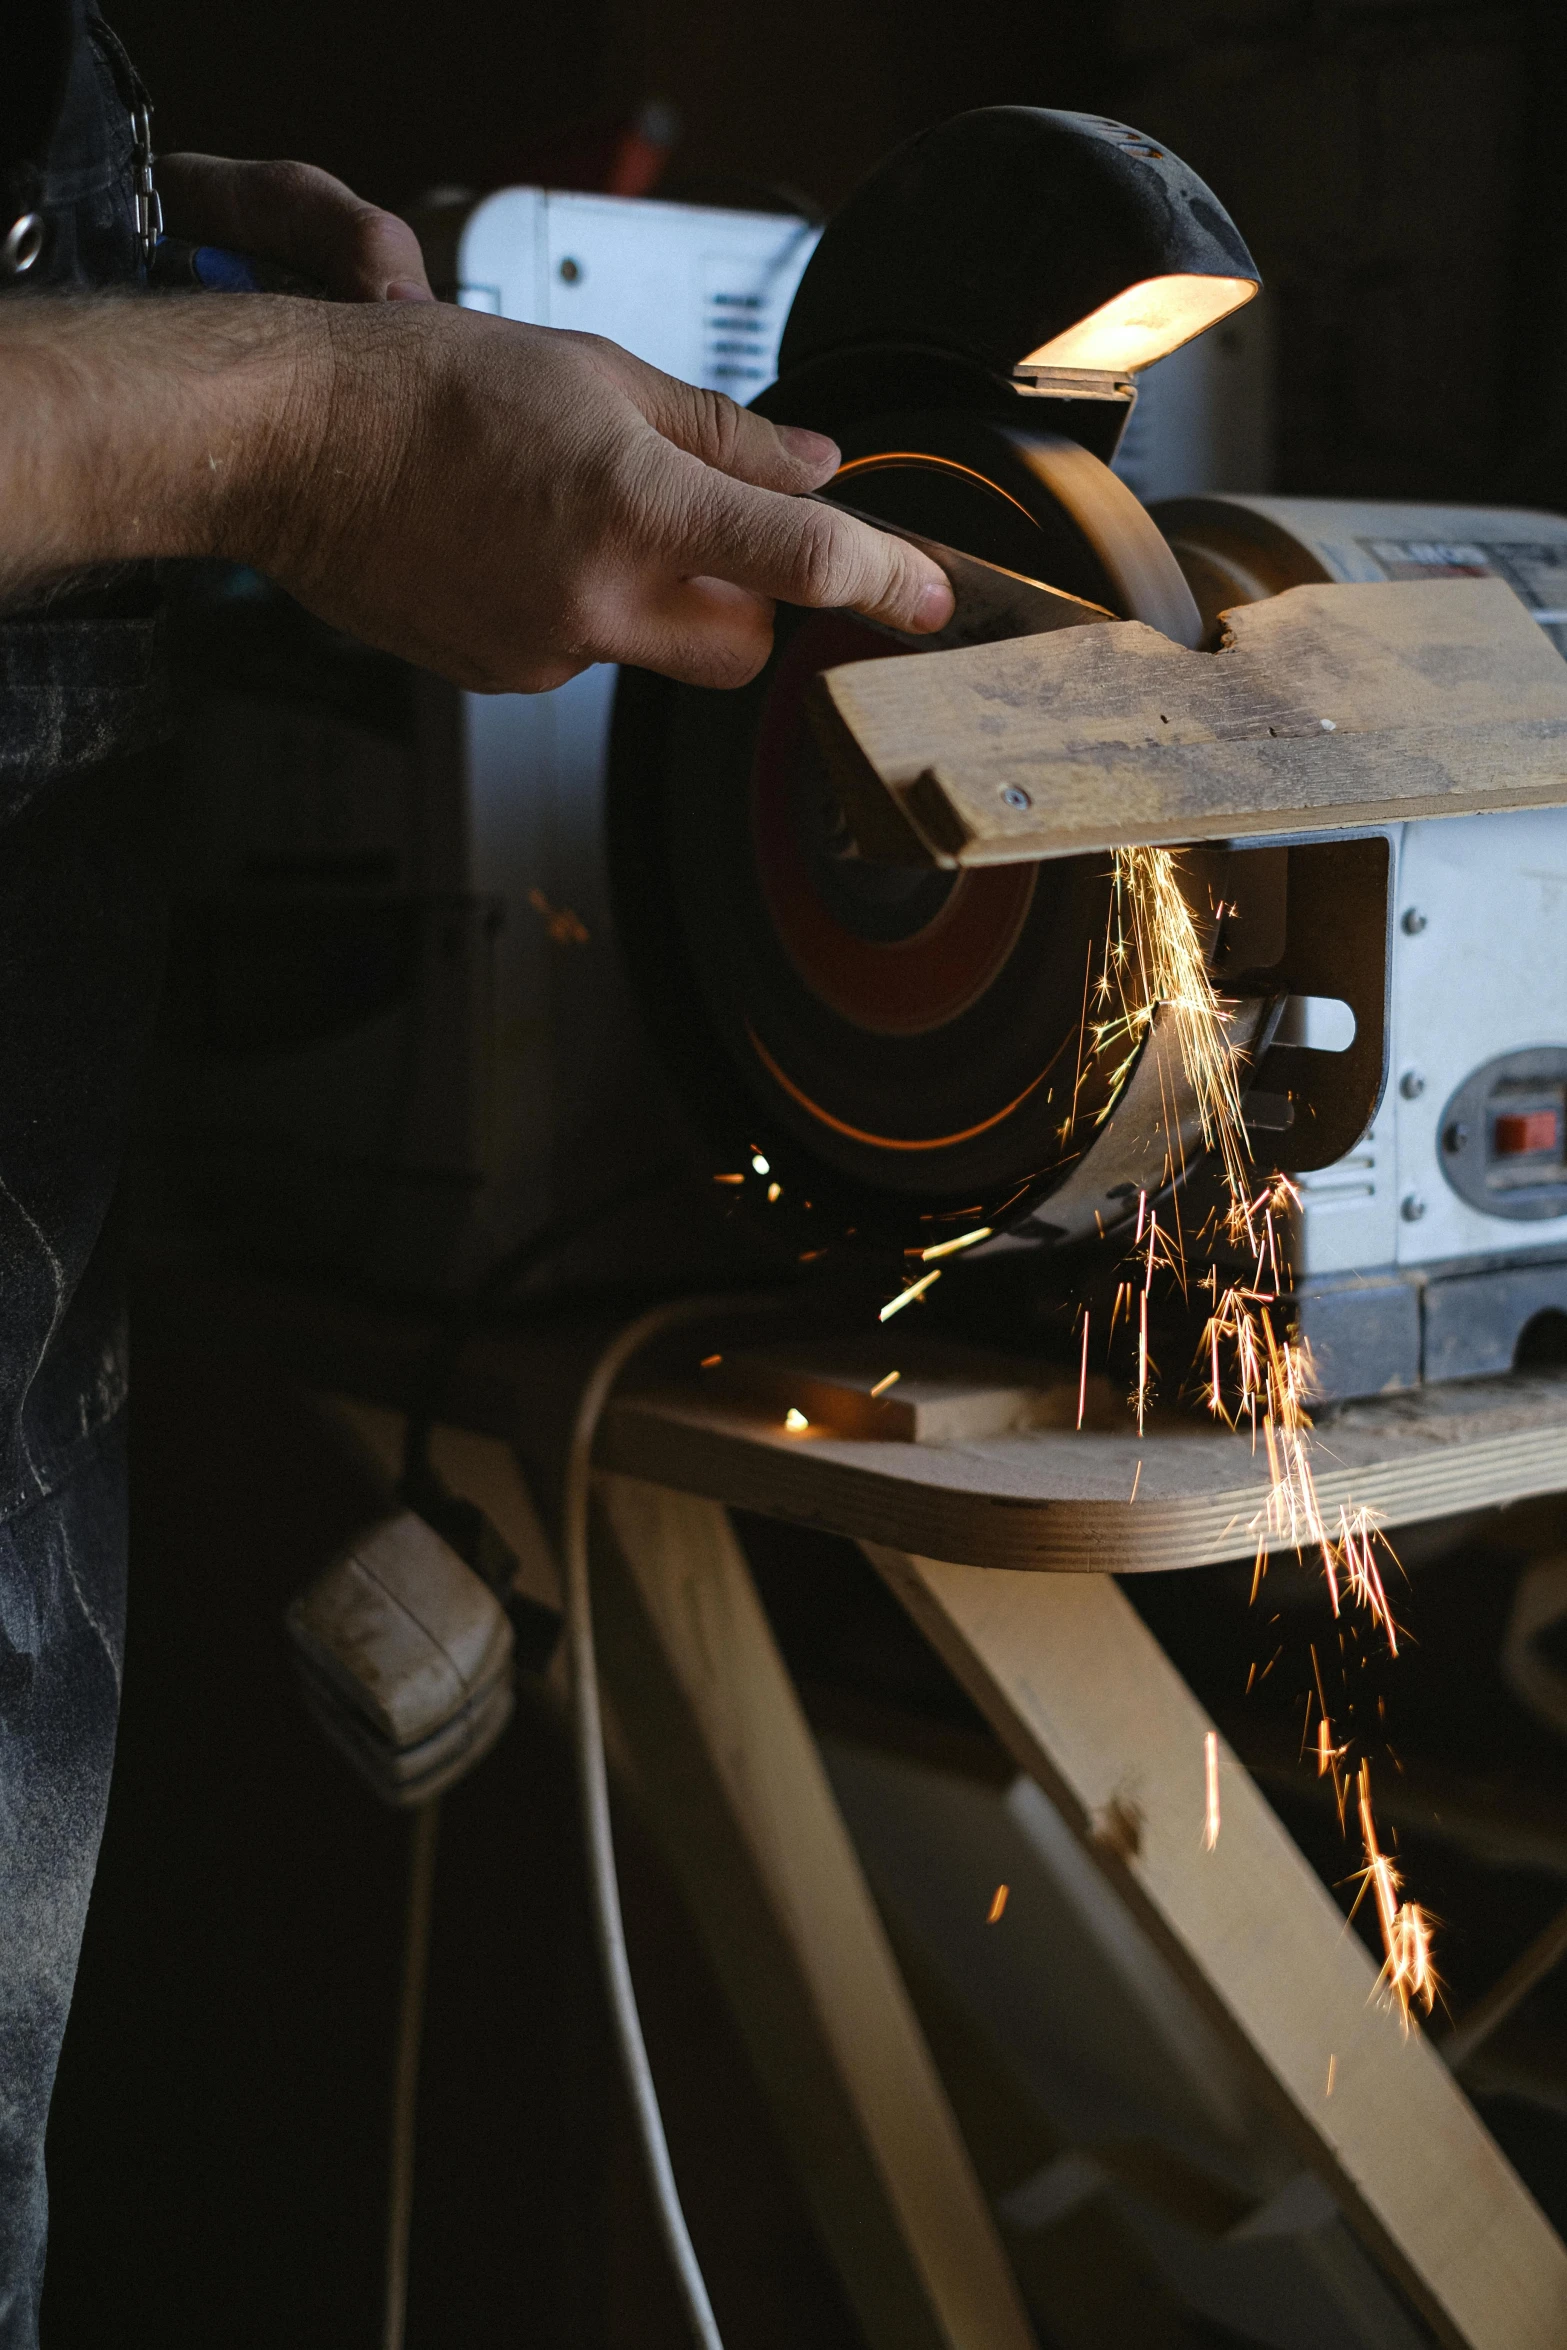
(1020, 241)
(1143, 323)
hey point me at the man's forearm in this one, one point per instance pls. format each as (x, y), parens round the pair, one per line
(496, 502)
(133, 428)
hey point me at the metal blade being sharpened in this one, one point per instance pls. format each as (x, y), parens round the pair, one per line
(990, 604)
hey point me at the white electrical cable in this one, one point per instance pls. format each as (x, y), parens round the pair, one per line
(405, 2078)
(589, 1729)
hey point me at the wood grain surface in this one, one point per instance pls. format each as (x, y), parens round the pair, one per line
(1328, 707)
(1060, 1500)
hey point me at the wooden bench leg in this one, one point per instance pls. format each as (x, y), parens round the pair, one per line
(1087, 1703)
(731, 1777)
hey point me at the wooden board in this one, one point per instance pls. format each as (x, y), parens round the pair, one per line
(1058, 1499)
(1088, 1704)
(1329, 706)
(731, 1776)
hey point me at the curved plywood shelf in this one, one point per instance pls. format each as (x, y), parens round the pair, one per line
(1060, 1500)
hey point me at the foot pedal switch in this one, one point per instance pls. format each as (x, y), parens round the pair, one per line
(405, 1656)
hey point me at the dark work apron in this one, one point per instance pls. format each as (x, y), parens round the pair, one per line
(83, 705)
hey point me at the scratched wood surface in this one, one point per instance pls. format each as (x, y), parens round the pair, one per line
(1055, 1498)
(1329, 706)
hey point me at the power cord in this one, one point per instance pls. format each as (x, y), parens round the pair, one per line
(588, 1729)
(536, 1628)
(405, 2072)
(479, 1542)
(473, 1535)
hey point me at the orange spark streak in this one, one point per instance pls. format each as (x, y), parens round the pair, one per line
(1210, 1770)
(998, 1902)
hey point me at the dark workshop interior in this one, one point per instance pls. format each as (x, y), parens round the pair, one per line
(218, 2140)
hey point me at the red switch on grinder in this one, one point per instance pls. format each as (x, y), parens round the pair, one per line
(1518, 1132)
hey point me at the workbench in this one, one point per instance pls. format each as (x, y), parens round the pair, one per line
(1003, 1549)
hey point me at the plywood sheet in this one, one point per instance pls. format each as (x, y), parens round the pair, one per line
(1062, 1500)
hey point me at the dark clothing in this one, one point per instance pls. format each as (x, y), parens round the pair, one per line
(81, 699)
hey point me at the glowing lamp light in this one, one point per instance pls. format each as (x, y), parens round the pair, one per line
(1143, 323)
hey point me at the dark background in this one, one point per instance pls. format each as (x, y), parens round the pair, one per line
(217, 2151)
(1396, 166)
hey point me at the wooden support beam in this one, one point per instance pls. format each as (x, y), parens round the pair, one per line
(1088, 1704)
(736, 1790)
(1328, 707)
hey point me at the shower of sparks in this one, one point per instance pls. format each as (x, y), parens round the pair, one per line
(1210, 1773)
(1155, 961)
(1256, 1372)
(998, 1902)
(882, 1385)
(949, 1248)
(1407, 1971)
(906, 1297)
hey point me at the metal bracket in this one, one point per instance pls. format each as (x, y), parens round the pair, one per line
(1305, 1108)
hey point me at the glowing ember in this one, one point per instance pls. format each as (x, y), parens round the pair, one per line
(906, 1297)
(1407, 1971)
(796, 1422)
(949, 1248)
(998, 1902)
(564, 927)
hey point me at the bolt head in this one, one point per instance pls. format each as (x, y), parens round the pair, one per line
(1411, 1085)
(1014, 796)
(1414, 921)
(1412, 1207)
(1456, 1138)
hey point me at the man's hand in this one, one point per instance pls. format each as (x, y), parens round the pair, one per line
(506, 504)
(500, 503)
(298, 216)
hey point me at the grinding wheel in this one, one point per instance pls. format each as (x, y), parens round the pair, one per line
(904, 1045)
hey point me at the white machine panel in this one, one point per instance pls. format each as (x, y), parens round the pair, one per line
(1480, 902)
(1480, 971)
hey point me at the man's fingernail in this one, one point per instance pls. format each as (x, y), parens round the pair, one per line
(407, 289)
(934, 606)
(812, 448)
